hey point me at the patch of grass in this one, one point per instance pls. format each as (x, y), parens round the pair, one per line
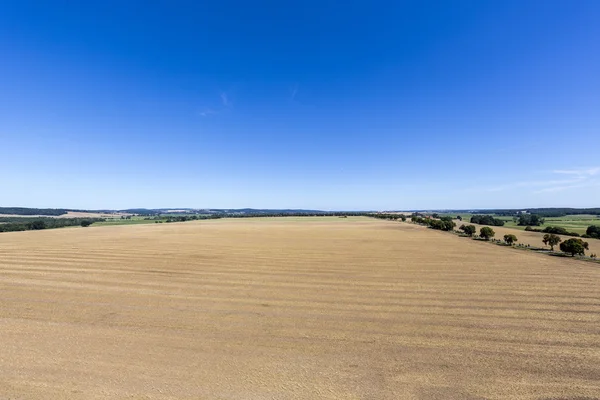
(572, 223)
(118, 221)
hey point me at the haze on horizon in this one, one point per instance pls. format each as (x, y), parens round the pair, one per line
(314, 105)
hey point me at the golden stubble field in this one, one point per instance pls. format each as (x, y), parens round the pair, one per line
(291, 309)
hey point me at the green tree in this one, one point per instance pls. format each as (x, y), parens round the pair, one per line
(468, 229)
(444, 224)
(37, 224)
(486, 232)
(85, 223)
(593, 231)
(486, 220)
(550, 239)
(574, 246)
(558, 230)
(510, 239)
(530, 220)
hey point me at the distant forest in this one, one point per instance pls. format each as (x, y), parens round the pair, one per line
(545, 212)
(12, 224)
(33, 211)
(542, 212)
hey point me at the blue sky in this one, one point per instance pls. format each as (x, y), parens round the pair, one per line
(300, 104)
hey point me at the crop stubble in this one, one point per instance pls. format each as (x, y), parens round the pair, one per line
(291, 309)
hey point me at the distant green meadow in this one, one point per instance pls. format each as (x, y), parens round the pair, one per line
(573, 223)
(118, 221)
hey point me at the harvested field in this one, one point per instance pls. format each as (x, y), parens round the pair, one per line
(319, 308)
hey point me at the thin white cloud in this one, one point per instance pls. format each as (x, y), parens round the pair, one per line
(567, 187)
(294, 92)
(206, 112)
(515, 185)
(581, 171)
(579, 177)
(226, 104)
(225, 99)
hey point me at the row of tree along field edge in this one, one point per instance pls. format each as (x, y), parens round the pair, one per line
(572, 246)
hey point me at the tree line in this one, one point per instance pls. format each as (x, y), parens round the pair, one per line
(557, 230)
(561, 212)
(573, 246)
(486, 220)
(442, 224)
(592, 232)
(390, 217)
(33, 211)
(29, 224)
(530, 220)
(542, 212)
(184, 218)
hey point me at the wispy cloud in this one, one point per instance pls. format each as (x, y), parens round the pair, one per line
(514, 185)
(223, 108)
(207, 111)
(579, 171)
(225, 99)
(577, 178)
(294, 91)
(591, 183)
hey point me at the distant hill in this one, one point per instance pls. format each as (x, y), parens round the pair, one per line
(544, 212)
(55, 212)
(33, 211)
(245, 211)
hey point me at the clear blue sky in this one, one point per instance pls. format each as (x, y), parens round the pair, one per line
(300, 104)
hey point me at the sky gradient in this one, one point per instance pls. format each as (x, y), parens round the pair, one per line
(307, 104)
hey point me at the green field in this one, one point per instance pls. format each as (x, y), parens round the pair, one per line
(573, 223)
(111, 222)
(135, 220)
